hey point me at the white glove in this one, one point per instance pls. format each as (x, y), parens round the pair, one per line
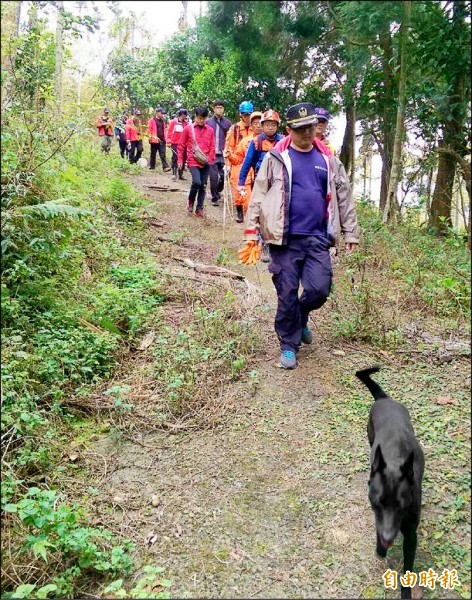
(242, 192)
(128, 145)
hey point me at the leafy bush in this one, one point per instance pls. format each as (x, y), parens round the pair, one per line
(55, 532)
(399, 269)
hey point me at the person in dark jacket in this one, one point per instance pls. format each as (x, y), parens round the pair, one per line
(220, 126)
(120, 134)
(157, 128)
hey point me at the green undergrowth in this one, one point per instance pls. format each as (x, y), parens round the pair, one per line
(403, 276)
(79, 286)
(80, 289)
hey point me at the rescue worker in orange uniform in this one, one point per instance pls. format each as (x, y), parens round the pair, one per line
(237, 158)
(235, 134)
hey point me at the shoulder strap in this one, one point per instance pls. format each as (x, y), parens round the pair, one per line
(237, 133)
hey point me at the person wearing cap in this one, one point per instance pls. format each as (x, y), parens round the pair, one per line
(156, 128)
(197, 138)
(235, 134)
(120, 134)
(174, 133)
(104, 125)
(323, 117)
(301, 203)
(237, 158)
(134, 136)
(220, 126)
(259, 146)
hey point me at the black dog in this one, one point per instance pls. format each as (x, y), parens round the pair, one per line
(397, 465)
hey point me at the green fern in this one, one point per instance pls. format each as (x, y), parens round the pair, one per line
(50, 210)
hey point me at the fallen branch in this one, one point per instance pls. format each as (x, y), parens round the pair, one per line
(165, 188)
(210, 269)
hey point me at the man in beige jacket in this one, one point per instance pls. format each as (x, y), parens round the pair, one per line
(300, 204)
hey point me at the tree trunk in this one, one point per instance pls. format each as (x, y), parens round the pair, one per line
(183, 20)
(391, 205)
(453, 147)
(10, 13)
(59, 52)
(348, 147)
(440, 213)
(388, 117)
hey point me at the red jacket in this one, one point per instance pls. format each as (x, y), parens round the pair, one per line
(104, 125)
(174, 133)
(205, 137)
(153, 133)
(134, 130)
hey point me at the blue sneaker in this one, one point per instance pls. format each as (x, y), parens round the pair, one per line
(288, 359)
(307, 336)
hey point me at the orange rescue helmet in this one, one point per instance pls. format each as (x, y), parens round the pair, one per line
(270, 115)
(255, 115)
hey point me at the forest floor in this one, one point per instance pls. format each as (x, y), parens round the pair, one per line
(271, 501)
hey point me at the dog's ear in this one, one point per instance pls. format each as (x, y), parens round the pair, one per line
(378, 464)
(407, 467)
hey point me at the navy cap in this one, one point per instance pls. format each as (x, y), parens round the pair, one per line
(106, 110)
(301, 115)
(322, 114)
(160, 110)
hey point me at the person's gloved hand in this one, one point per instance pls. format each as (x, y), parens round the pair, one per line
(250, 254)
(128, 145)
(242, 191)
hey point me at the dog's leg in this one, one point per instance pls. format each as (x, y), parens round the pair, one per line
(410, 537)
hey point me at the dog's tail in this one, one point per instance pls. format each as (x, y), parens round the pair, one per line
(374, 388)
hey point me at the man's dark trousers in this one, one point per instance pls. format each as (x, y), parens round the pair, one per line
(136, 151)
(155, 148)
(304, 260)
(217, 179)
(199, 182)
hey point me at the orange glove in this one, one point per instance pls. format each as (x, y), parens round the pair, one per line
(250, 254)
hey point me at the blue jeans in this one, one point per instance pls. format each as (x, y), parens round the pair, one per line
(304, 260)
(199, 182)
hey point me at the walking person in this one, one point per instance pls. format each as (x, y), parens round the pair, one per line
(199, 141)
(104, 125)
(156, 128)
(235, 134)
(134, 136)
(120, 134)
(174, 133)
(300, 203)
(323, 117)
(237, 158)
(220, 126)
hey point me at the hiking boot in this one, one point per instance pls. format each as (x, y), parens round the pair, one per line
(288, 359)
(199, 213)
(174, 177)
(265, 255)
(167, 169)
(190, 205)
(239, 214)
(307, 336)
(215, 203)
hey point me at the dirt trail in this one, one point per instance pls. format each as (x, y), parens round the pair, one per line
(272, 503)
